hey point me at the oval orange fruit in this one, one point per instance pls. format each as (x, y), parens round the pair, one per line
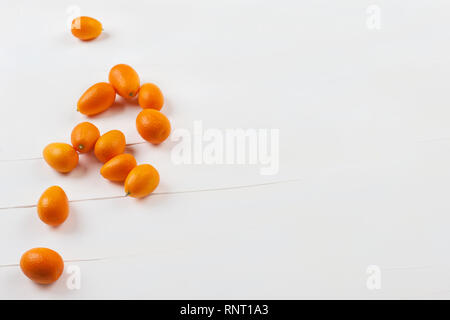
(141, 181)
(53, 206)
(125, 80)
(86, 28)
(109, 145)
(96, 99)
(84, 136)
(61, 156)
(118, 168)
(42, 265)
(153, 126)
(150, 96)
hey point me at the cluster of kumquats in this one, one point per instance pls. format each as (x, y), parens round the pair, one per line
(44, 265)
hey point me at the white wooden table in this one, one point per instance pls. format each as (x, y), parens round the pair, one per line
(364, 149)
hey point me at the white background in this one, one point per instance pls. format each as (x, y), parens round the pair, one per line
(364, 126)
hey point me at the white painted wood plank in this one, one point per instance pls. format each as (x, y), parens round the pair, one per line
(363, 119)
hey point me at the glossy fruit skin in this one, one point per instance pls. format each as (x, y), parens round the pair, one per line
(109, 145)
(53, 206)
(153, 126)
(84, 136)
(150, 96)
(141, 181)
(125, 80)
(61, 156)
(96, 99)
(42, 265)
(86, 28)
(118, 168)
